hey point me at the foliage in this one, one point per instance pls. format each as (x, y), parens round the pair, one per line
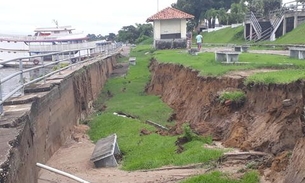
(218, 177)
(263, 7)
(170, 44)
(237, 14)
(148, 41)
(198, 8)
(236, 96)
(191, 136)
(93, 37)
(132, 34)
(141, 39)
(59, 66)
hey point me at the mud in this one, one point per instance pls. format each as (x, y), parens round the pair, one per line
(270, 120)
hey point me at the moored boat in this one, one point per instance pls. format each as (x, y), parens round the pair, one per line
(44, 40)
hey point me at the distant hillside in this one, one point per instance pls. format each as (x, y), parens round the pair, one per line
(226, 35)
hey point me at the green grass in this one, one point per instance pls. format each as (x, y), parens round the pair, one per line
(236, 36)
(296, 36)
(206, 64)
(218, 177)
(236, 96)
(147, 151)
(226, 35)
(142, 151)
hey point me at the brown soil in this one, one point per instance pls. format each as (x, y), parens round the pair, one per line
(269, 121)
(74, 158)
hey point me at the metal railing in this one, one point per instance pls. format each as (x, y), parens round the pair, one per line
(7, 37)
(64, 56)
(257, 27)
(59, 47)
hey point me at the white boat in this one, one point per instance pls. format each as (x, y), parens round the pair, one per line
(44, 40)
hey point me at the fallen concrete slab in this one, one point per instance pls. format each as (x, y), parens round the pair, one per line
(105, 152)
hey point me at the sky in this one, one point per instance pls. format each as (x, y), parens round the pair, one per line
(88, 16)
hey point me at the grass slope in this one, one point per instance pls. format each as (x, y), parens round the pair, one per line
(226, 35)
(296, 36)
(236, 36)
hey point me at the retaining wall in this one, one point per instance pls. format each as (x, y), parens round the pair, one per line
(35, 125)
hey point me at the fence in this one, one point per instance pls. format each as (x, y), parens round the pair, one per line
(67, 56)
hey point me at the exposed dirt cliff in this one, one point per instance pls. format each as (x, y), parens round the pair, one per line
(269, 120)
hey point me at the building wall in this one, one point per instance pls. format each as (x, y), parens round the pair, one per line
(169, 27)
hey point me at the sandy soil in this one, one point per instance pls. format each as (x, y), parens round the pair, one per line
(74, 158)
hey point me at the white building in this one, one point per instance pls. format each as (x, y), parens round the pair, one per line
(169, 27)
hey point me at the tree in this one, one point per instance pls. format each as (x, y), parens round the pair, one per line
(210, 15)
(237, 14)
(132, 34)
(111, 37)
(223, 16)
(263, 7)
(198, 8)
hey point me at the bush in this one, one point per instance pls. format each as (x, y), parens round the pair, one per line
(171, 44)
(234, 96)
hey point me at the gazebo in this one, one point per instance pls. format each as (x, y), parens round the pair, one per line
(170, 28)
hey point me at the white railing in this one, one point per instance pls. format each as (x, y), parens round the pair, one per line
(257, 27)
(61, 47)
(7, 37)
(57, 57)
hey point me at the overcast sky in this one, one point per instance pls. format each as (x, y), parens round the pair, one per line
(90, 16)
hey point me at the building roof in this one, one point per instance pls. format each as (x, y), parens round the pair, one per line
(169, 13)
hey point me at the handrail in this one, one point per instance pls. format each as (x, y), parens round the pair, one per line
(8, 37)
(102, 49)
(256, 25)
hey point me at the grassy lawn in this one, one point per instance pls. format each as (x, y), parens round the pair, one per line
(226, 35)
(290, 69)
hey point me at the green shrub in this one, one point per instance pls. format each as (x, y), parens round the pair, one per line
(59, 66)
(234, 96)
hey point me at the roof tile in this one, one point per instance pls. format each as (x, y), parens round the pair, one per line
(169, 13)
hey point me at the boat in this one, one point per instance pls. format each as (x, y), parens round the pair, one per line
(44, 40)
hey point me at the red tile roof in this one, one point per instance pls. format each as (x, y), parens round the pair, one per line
(169, 13)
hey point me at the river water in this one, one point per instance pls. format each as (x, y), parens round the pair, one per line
(11, 84)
